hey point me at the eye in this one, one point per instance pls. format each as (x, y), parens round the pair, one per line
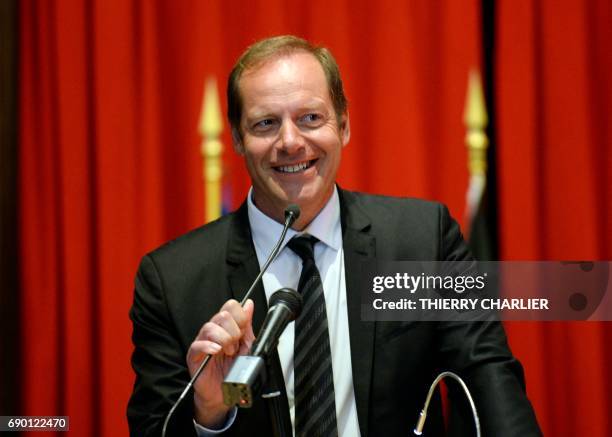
(312, 119)
(263, 125)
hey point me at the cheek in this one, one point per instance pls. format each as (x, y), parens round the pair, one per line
(333, 150)
(327, 140)
(256, 151)
(335, 163)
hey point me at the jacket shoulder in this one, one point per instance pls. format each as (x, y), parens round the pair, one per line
(407, 228)
(206, 243)
(376, 205)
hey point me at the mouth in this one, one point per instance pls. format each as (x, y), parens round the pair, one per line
(295, 168)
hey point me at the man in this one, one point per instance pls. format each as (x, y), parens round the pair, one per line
(290, 121)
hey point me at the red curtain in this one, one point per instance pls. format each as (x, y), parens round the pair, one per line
(554, 100)
(109, 168)
(110, 97)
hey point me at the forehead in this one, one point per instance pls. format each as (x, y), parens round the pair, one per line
(284, 76)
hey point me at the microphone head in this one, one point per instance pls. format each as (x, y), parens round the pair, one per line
(288, 297)
(292, 212)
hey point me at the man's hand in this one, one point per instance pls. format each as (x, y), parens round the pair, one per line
(226, 335)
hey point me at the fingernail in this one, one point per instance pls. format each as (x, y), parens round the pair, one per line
(215, 347)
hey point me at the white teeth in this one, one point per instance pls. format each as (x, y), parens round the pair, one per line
(293, 168)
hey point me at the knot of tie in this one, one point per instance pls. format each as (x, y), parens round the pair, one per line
(303, 246)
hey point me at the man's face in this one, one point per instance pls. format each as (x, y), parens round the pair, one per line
(291, 139)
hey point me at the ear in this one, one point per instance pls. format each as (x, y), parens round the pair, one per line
(237, 141)
(345, 128)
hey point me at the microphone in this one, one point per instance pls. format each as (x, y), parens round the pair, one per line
(292, 213)
(248, 373)
(418, 430)
(285, 307)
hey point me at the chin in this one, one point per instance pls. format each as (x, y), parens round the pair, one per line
(302, 195)
(313, 198)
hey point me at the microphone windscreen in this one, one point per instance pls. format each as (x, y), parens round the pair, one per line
(291, 298)
(293, 210)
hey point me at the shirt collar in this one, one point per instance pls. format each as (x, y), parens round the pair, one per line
(325, 226)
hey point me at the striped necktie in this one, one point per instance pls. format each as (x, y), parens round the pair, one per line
(315, 407)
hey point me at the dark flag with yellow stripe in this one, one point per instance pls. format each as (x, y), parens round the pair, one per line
(478, 230)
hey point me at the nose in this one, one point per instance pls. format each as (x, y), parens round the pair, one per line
(291, 138)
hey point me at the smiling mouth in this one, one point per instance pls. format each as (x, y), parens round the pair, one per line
(295, 168)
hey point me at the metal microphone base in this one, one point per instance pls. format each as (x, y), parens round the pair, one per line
(244, 381)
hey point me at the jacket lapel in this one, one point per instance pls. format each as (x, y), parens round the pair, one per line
(243, 265)
(359, 248)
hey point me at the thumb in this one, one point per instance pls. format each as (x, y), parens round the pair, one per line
(249, 308)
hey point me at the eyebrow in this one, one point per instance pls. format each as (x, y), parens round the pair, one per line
(258, 115)
(313, 105)
(264, 112)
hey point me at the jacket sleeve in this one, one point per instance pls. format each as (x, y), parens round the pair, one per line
(479, 353)
(158, 361)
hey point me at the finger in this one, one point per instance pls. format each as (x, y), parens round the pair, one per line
(199, 349)
(249, 309)
(237, 312)
(216, 333)
(225, 320)
(248, 336)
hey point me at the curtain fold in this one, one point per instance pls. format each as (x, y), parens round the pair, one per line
(107, 172)
(554, 98)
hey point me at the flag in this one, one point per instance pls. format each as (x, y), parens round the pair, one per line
(477, 208)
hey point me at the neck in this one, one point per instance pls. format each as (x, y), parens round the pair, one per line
(308, 211)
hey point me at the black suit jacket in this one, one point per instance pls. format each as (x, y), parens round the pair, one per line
(184, 283)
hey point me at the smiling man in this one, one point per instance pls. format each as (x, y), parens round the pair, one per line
(290, 134)
(335, 374)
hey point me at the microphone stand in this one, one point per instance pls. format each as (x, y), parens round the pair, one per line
(292, 212)
(274, 399)
(418, 430)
